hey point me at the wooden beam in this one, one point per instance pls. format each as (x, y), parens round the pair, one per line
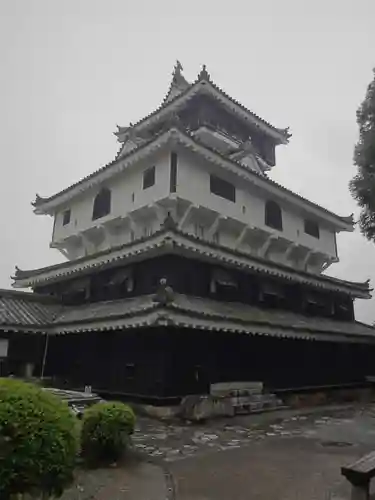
(289, 250)
(214, 226)
(87, 244)
(327, 264)
(63, 251)
(186, 215)
(241, 237)
(108, 234)
(306, 259)
(264, 249)
(160, 213)
(132, 223)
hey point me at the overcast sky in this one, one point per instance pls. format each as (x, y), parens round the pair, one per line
(73, 69)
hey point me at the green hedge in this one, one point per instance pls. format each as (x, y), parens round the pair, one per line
(106, 431)
(38, 441)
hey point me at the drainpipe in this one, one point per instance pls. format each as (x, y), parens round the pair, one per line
(44, 355)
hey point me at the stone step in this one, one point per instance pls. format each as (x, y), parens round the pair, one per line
(236, 388)
(256, 404)
(196, 408)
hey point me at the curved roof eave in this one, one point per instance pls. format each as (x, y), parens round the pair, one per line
(204, 83)
(47, 205)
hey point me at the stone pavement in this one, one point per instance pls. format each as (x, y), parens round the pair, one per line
(285, 455)
(287, 470)
(137, 480)
(293, 457)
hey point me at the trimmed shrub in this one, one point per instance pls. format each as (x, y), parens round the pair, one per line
(38, 441)
(106, 431)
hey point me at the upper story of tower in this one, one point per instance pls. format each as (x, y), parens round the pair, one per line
(203, 158)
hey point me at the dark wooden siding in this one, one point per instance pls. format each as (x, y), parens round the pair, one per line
(193, 277)
(160, 364)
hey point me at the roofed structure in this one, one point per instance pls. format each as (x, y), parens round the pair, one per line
(186, 265)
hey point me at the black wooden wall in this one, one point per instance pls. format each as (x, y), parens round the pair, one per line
(193, 277)
(161, 364)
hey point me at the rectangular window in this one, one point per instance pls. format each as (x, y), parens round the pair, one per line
(316, 305)
(272, 295)
(129, 371)
(66, 217)
(222, 188)
(173, 173)
(312, 228)
(149, 177)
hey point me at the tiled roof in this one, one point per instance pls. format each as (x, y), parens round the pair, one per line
(172, 240)
(105, 310)
(178, 84)
(188, 311)
(204, 78)
(35, 314)
(22, 309)
(189, 141)
(277, 318)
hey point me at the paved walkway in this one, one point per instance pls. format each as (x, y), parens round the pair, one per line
(284, 456)
(137, 480)
(279, 456)
(287, 470)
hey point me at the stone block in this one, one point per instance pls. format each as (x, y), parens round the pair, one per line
(228, 388)
(197, 408)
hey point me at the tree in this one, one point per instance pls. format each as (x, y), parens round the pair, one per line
(362, 186)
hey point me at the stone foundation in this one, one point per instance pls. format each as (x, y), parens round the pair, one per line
(329, 396)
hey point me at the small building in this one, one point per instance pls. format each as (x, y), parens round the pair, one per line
(186, 265)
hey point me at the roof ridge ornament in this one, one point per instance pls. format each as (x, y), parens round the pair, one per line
(285, 131)
(177, 70)
(204, 74)
(164, 294)
(178, 84)
(38, 200)
(169, 222)
(132, 134)
(349, 219)
(18, 272)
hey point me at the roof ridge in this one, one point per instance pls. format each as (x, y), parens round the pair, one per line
(168, 230)
(28, 296)
(178, 128)
(39, 200)
(204, 77)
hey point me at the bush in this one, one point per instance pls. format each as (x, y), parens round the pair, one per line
(38, 441)
(106, 432)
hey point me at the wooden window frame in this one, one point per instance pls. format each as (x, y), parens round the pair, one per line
(222, 188)
(66, 217)
(273, 215)
(149, 176)
(102, 204)
(311, 228)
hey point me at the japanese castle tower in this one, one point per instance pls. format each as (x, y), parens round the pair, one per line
(186, 265)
